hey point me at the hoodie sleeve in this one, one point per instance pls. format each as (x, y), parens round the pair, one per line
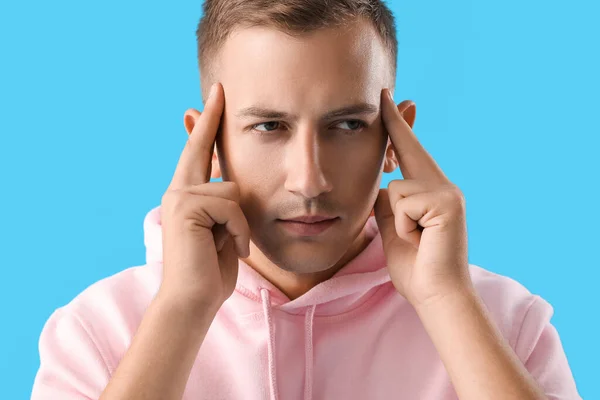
(539, 346)
(71, 365)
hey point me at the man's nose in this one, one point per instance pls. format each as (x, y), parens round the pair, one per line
(304, 164)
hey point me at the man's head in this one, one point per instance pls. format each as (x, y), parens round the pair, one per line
(294, 17)
(301, 132)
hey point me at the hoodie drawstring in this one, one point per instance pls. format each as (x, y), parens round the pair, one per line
(308, 347)
(266, 303)
(308, 351)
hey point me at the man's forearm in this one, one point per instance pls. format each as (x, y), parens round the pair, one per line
(157, 365)
(480, 362)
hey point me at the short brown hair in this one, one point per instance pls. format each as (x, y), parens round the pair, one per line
(293, 17)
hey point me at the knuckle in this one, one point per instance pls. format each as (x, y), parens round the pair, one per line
(167, 198)
(184, 209)
(192, 223)
(236, 191)
(394, 184)
(231, 207)
(233, 190)
(174, 200)
(456, 195)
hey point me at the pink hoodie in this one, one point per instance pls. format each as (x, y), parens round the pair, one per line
(351, 337)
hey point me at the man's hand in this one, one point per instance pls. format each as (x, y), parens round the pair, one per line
(422, 219)
(204, 231)
(204, 228)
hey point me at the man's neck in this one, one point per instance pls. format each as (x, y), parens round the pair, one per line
(294, 285)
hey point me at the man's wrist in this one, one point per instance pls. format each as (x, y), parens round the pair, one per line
(188, 307)
(456, 298)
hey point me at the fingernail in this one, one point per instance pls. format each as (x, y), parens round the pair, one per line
(213, 90)
(389, 94)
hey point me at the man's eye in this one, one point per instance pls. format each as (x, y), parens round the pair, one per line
(268, 126)
(351, 125)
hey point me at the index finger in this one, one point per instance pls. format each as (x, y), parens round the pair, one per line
(194, 163)
(415, 162)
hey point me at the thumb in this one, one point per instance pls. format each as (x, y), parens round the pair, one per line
(385, 218)
(397, 251)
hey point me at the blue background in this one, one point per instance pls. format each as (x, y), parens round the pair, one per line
(92, 96)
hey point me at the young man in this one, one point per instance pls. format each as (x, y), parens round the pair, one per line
(279, 282)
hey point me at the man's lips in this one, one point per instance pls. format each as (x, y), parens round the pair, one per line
(309, 219)
(308, 225)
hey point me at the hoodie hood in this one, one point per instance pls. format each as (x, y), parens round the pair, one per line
(350, 285)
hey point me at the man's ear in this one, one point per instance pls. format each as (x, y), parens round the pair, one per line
(390, 162)
(408, 110)
(189, 121)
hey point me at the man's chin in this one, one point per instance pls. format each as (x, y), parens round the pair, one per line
(301, 256)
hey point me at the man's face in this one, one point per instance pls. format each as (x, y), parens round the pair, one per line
(302, 135)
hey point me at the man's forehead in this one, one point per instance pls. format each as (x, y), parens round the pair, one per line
(316, 74)
(261, 53)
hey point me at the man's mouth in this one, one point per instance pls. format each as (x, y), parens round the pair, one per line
(308, 225)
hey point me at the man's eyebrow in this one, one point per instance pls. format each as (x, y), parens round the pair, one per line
(360, 108)
(266, 113)
(261, 112)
